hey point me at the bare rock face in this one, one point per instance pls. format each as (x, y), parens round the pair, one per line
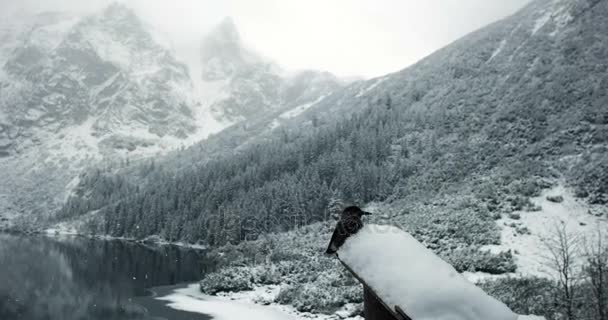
(71, 86)
(106, 69)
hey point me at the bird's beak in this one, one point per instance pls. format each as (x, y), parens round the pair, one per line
(366, 213)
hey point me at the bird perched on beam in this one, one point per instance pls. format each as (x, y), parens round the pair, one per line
(349, 223)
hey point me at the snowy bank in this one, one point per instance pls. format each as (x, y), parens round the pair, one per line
(61, 231)
(404, 273)
(253, 305)
(192, 300)
(530, 247)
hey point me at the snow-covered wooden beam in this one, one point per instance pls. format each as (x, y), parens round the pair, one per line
(373, 307)
(406, 281)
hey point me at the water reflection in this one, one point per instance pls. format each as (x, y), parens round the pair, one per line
(76, 278)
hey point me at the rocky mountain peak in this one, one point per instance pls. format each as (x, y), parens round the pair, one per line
(116, 26)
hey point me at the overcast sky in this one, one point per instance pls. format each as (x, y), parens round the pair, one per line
(347, 37)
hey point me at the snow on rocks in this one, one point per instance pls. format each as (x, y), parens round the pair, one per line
(192, 300)
(404, 273)
(558, 13)
(498, 50)
(253, 305)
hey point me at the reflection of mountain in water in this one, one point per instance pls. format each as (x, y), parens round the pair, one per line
(77, 278)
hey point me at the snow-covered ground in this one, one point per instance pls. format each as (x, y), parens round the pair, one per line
(61, 230)
(558, 12)
(68, 229)
(530, 250)
(252, 305)
(498, 49)
(274, 124)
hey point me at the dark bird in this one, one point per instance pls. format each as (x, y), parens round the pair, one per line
(349, 223)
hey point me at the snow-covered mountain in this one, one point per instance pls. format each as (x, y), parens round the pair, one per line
(105, 72)
(78, 91)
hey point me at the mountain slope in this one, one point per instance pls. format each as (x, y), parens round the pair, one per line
(533, 82)
(466, 135)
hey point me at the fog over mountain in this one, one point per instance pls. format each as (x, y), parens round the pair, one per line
(336, 36)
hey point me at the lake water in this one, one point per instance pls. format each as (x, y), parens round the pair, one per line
(48, 278)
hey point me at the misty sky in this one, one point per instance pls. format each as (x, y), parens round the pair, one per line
(347, 37)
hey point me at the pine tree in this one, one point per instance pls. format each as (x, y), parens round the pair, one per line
(335, 205)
